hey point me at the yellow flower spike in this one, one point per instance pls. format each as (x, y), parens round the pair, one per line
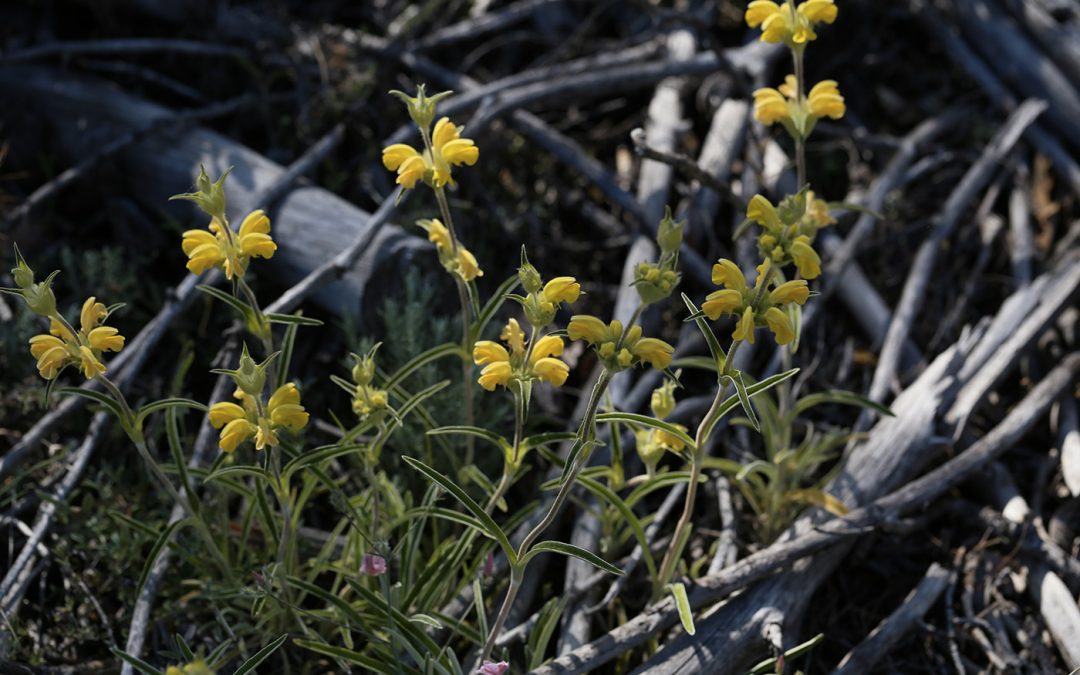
(285, 410)
(587, 328)
(486, 351)
(467, 265)
(806, 258)
(51, 354)
(451, 147)
(439, 235)
(411, 171)
(513, 335)
(551, 370)
(761, 211)
(790, 291)
(549, 345)
(106, 339)
(393, 156)
(780, 325)
(254, 236)
(825, 100)
(725, 301)
(657, 352)
(204, 250)
(744, 330)
(770, 106)
(89, 363)
(92, 314)
(818, 11)
(224, 412)
(495, 374)
(728, 274)
(562, 289)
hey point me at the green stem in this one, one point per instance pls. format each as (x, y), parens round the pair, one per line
(585, 433)
(800, 141)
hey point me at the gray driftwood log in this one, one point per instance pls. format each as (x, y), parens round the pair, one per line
(311, 224)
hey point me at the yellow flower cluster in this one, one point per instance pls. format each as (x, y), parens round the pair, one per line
(522, 363)
(447, 149)
(788, 232)
(228, 251)
(619, 350)
(463, 263)
(240, 422)
(63, 347)
(790, 24)
(752, 305)
(798, 116)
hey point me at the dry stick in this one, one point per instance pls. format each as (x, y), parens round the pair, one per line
(68, 176)
(884, 637)
(472, 28)
(967, 59)
(921, 268)
(122, 46)
(15, 582)
(1021, 238)
(914, 495)
(726, 550)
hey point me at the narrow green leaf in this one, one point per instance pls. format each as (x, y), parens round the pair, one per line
(348, 655)
(706, 330)
(166, 403)
(136, 662)
(421, 360)
(841, 397)
(488, 522)
(160, 543)
(95, 396)
(292, 319)
(489, 436)
(682, 604)
(647, 421)
(699, 362)
(607, 494)
(182, 645)
(744, 399)
(537, 440)
(261, 655)
(232, 301)
(573, 551)
(288, 343)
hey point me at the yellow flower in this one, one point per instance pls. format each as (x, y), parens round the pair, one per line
(817, 212)
(196, 667)
(254, 236)
(448, 149)
(805, 257)
(721, 302)
(662, 400)
(780, 325)
(761, 211)
(744, 330)
(825, 100)
(84, 349)
(408, 163)
(562, 289)
(464, 263)
(782, 24)
(656, 352)
(587, 328)
(790, 291)
(501, 366)
(495, 374)
(770, 106)
(285, 409)
(238, 423)
(229, 252)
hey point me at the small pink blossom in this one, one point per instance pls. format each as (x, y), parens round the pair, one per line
(490, 668)
(372, 565)
(489, 565)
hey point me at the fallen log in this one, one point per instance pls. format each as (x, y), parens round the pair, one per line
(311, 224)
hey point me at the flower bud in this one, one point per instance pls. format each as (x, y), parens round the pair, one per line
(210, 196)
(24, 276)
(250, 376)
(662, 400)
(527, 274)
(364, 370)
(670, 233)
(40, 298)
(421, 107)
(792, 208)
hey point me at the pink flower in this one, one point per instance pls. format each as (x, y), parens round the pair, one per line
(372, 565)
(490, 668)
(489, 565)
